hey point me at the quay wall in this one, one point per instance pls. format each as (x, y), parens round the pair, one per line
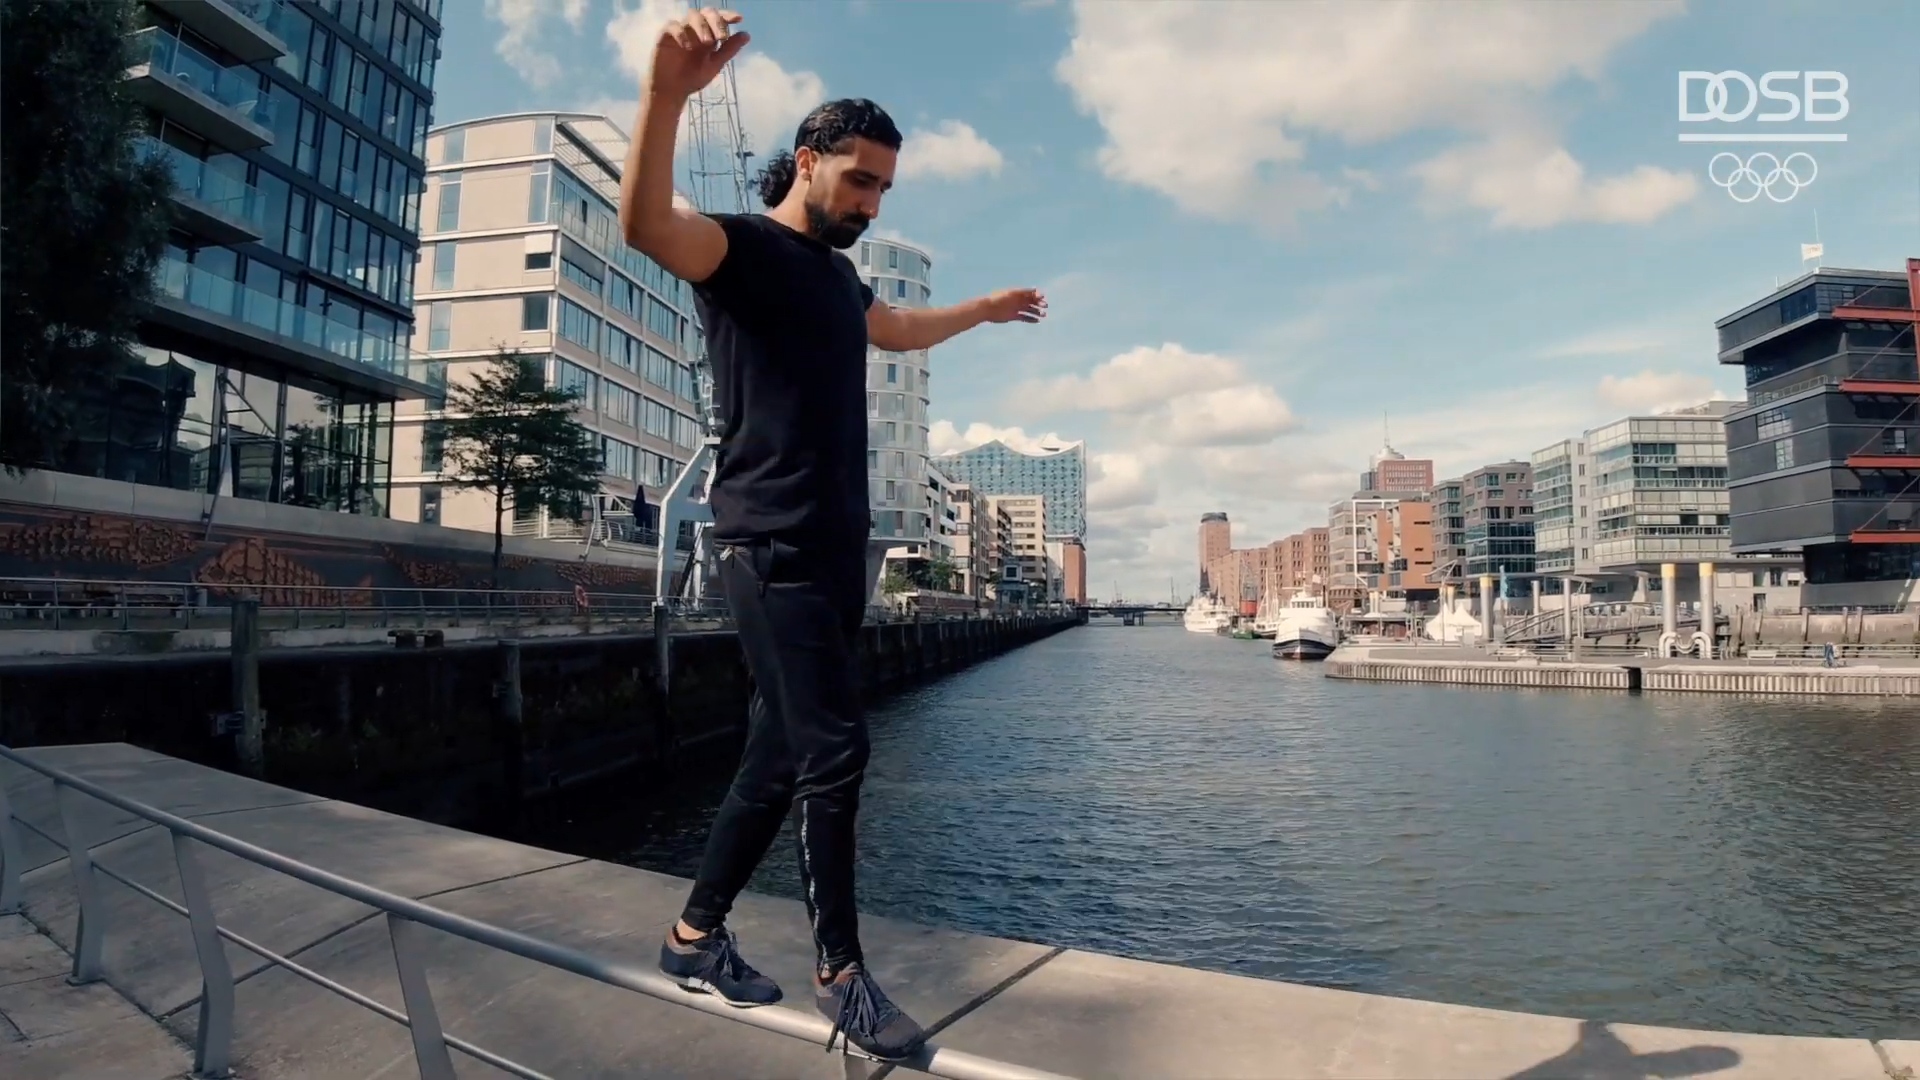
(1376, 664)
(429, 732)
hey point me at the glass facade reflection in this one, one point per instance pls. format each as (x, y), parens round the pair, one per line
(303, 254)
(172, 421)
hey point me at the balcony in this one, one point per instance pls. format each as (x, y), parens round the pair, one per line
(227, 314)
(209, 203)
(241, 27)
(225, 105)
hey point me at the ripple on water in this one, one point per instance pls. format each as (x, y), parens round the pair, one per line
(1697, 861)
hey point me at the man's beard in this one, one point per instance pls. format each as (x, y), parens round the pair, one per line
(839, 232)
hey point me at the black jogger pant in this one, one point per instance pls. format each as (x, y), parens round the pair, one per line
(798, 610)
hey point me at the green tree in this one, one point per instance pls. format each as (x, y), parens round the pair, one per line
(514, 437)
(83, 218)
(894, 581)
(941, 574)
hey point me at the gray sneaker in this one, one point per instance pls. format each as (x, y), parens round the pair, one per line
(712, 965)
(864, 1018)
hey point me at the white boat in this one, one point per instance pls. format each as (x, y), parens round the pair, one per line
(1208, 615)
(1304, 629)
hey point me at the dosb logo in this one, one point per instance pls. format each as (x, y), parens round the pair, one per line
(1731, 97)
(1815, 87)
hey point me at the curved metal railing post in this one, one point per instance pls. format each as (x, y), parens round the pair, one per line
(90, 931)
(213, 1042)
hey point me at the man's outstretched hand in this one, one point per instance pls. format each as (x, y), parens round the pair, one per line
(693, 50)
(1016, 305)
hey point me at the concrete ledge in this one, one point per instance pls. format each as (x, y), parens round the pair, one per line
(1459, 667)
(1066, 1011)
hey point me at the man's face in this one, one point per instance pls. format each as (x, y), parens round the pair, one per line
(844, 189)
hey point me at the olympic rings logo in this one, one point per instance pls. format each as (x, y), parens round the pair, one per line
(1760, 174)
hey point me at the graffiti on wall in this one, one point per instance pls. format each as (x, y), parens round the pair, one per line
(283, 569)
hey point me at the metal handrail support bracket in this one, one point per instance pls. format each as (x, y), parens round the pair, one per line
(423, 1020)
(90, 932)
(13, 858)
(213, 1044)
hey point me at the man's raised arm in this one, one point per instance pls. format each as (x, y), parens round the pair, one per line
(906, 329)
(688, 55)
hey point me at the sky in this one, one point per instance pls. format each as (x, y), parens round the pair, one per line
(1270, 230)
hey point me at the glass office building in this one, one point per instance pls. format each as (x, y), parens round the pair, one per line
(278, 345)
(897, 397)
(1058, 473)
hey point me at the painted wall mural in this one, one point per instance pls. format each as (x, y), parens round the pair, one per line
(284, 569)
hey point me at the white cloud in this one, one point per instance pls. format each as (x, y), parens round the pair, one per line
(943, 437)
(1531, 183)
(1137, 380)
(951, 151)
(522, 23)
(773, 100)
(1223, 130)
(1236, 415)
(1651, 391)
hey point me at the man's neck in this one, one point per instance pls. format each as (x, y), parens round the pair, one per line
(793, 214)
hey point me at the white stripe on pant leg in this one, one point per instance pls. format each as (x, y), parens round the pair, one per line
(813, 902)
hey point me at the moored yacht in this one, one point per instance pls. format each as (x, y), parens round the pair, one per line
(1304, 629)
(1208, 615)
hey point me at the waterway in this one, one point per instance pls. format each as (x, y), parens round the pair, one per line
(1715, 862)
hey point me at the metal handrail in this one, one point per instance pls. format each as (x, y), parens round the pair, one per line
(213, 1047)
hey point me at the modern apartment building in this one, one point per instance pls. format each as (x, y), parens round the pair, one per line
(1659, 491)
(897, 397)
(1496, 502)
(1057, 473)
(1562, 527)
(278, 344)
(524, 252)
(1409, 555)
(1358, 532)
(1026, 566)
(1393, 473)
(1216, 539)
(1449, 532)
(1823, 458)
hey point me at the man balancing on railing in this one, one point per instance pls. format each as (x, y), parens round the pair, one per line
(788, 322)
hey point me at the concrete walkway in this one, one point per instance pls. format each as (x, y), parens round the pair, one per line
(1065, 1011)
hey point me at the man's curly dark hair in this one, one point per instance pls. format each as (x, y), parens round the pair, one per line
(828, 129)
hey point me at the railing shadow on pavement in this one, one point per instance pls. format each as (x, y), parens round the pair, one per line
(213, 1043)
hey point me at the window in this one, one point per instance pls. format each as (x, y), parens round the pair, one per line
(1783, 454)
(579, 327)
(1775, 423)
(899, 288)
(576, 379)
(453, 146)
(659, 419)
(534, 312)
(433, 445)
(622, 349)
(893, 373)
(439, 326)
(537, 189)
(449, 217)
(580, 275)
(893, 258)
(618, 458)
(539, 260)
(430, 504)
(443, 266)
(543, 135)
(662, 320)
(1894, 441)
(619, 403)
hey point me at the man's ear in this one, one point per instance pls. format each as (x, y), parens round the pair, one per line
(805, 160)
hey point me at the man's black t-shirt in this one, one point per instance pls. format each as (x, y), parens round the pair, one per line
(786, 325)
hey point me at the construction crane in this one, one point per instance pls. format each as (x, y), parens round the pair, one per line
(715, 153)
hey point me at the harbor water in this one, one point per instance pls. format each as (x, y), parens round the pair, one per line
(1714, 862)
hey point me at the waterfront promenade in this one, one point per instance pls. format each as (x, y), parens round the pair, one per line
(1051, 1010)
